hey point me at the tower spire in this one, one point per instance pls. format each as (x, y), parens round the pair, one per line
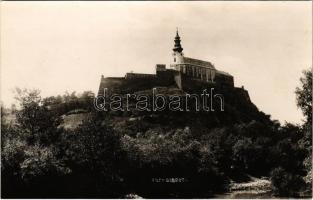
(177, 45)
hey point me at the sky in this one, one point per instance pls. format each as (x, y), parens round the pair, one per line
(67, 46)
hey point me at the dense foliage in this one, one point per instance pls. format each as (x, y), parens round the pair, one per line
(156, 155)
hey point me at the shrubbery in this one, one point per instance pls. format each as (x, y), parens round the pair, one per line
(108, 157)
(286, 184)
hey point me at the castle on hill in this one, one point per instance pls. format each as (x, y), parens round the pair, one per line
(182, 73)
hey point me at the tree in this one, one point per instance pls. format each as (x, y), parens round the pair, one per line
(28, 147)
(286, 184)
(304, 102)
(93, 153)
(304, 95)
(41, 162)
(36, 122)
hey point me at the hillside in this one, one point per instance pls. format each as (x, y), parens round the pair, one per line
(238, 107)
(152, 154)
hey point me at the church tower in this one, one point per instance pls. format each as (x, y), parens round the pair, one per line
(177, 46)
(177, 50)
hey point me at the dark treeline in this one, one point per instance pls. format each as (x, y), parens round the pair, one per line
(110, 155)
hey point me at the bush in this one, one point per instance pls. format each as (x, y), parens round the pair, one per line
(39, 162)
(92, 151)
(109, 155)
(286, 184)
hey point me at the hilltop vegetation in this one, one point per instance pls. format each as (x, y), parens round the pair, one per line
(152, 154)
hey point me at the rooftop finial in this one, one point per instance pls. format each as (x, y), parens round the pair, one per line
(177, 32)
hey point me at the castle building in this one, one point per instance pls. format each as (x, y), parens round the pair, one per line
(183, 72)
(194, 68)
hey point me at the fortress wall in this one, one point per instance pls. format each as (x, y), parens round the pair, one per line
(244, 93)
(133, 82)
(138, 75)
(191, 85)
(166, 78)
(112, 83)
(137, 84)
(178, 79)
(224, 80)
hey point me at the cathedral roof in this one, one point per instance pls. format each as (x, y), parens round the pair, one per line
(198, 62)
